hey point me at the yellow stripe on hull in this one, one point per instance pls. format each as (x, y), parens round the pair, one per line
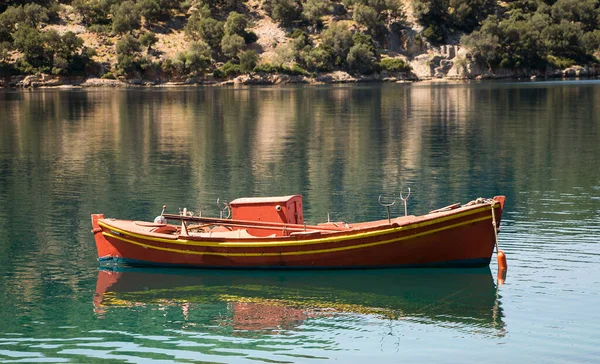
(305, 252)
(252, 243)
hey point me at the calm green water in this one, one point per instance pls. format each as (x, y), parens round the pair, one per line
(125, 153)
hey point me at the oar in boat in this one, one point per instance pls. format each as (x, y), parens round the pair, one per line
(251, 224)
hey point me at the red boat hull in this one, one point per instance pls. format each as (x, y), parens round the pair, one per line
(461, 237)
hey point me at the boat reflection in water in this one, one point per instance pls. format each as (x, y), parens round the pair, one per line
(273, 300)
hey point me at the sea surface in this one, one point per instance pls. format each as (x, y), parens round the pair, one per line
(65, 154)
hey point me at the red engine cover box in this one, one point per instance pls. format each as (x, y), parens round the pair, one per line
(283, 209)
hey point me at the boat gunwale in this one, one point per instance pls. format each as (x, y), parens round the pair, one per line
(294, 253)
(327, 237)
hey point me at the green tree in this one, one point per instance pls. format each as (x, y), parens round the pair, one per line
(211, 31)
(565, 40)
(362, 38)
(586, 12)
(522, 45)
(95, 11)
(320, 58)
(5, 48)
(360, 58)
(392, 10)
(68, 45)
(8, 22)
(236, 23)
(248, 60)
(466, 15)
(30, 15)
(485, 43)
(192, 62)
(511, 43)
(197, 58)
(34, 14)
(283, 11)
(125, 17)
(430, 11)
(31, 43)
(313, 10)
(148, 39)
(201, 27)
(591, 41)
(192, 27)
(150, 10)
(232, 44)
(339, 38)
(365, 15)
(128, 54)
(68, 52)
(223, 6)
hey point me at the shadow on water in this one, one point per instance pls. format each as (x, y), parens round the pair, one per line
(258, 300)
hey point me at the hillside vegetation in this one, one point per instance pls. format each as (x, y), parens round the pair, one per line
(170, 40)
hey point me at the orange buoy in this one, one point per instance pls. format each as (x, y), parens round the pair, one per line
(501, 260)
(502, 267)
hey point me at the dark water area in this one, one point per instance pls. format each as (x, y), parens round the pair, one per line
(65, 154)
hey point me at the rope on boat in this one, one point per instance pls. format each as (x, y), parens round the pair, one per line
(502, 266)
(492, 203)
(499, 253)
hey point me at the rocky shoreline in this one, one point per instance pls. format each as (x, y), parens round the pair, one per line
(337, 77)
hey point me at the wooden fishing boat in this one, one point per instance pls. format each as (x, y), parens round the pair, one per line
(271, 233)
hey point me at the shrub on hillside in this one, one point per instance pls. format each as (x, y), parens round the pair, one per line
(232, 44)
(394, 65)
(205, 28)
(564, 40)
(266, 68)
(360, 58)
(441, 17)
(283, 11)
(195, 60)
(197, 57)
(5, 48)
(365, 15)
(32, 45)
(366, 39)
(339, 39)
(148, 39)
(248, 60)
(149, 9)
(94, 11)
(313, 10)
(320, 58)
(30, 15)
(294, 70)
(511, 43)
(155, 10)
(50, 52)
(128, 54)
(236, 23)
(126, 17)
(560, 63)
(229, 69)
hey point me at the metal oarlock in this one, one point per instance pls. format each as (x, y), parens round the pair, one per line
(222, 209)
(387, 206)
(405, 200)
